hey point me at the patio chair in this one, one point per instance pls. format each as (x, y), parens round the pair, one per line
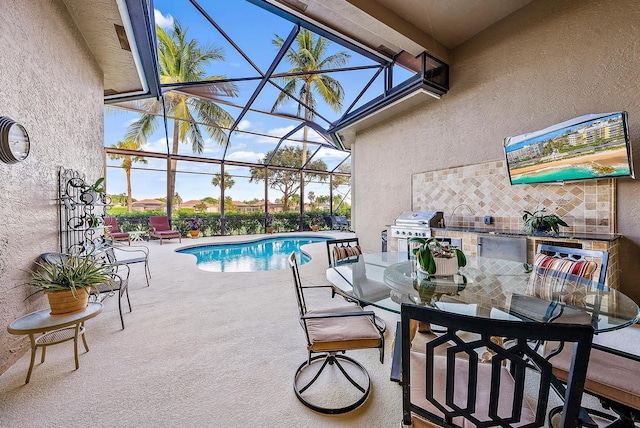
(613, 375)
(348, 250)
(120, 255)
(339, 222)
(119, 284)
(340, 249)
(562, 275)
(111, 224)
(446, 384)
(330, 331)
(160, 228)
(578, 256)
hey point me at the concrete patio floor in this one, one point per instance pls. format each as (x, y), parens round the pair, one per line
(199, 349)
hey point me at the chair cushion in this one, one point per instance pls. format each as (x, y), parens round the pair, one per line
(119, 235)
(418, 388)
(611, 376)
(168, 233)
(550, 279)
(342, 333)
(343, 252)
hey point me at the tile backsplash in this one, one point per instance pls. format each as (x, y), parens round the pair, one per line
(480, 190)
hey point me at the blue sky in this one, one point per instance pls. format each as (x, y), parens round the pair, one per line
(252, 29)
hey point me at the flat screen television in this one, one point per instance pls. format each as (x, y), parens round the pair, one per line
(588, 147)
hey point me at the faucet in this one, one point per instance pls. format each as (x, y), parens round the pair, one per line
(456, 209)
(444, 235)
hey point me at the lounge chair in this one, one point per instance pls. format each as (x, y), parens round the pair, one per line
(339, 222)
(111, 224)
(160, 228)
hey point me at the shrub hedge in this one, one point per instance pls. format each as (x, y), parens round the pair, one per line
(235, 223)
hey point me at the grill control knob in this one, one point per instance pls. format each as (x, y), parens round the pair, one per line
(404, 233)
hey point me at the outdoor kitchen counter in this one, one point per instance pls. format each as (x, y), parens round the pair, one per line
(438, 231)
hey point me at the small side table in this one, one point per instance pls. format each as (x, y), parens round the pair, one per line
(54, 329)
(136, 235)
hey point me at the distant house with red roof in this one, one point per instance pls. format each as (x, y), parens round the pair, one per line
(210, 208)
(149, 204)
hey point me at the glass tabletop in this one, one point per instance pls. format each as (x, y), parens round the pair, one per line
(485, 287)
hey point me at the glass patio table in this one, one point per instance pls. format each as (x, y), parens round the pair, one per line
(486, 288)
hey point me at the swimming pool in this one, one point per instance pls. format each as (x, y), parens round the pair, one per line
(251, 256)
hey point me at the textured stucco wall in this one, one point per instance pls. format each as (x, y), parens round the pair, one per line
(546, 63)
(51, 84)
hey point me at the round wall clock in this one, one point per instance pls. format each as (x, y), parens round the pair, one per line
(14, 141)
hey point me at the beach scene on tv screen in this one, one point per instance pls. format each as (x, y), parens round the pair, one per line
(590, 149)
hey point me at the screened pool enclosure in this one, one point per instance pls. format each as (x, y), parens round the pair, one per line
(254, 108)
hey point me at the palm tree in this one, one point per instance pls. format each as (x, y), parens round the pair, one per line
(127, 162)
(177, 200)
(184, 60)
(308, 56)
(228, 181)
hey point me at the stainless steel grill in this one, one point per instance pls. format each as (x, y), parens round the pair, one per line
(411, 224)
(416, 223)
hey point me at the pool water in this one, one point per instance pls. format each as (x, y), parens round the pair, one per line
(263, 254)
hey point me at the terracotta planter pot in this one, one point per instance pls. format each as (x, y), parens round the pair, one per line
(314, 228)
(194, 233)
(65, 303)
(269, 229)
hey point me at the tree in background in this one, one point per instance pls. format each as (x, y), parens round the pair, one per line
(287, 181)
(211, 200)
(309, 56)
(229, 206)
(177, 200)
(312, 199)
(127, 162)
(200, 207)
(229, 182)
(184, 60)
(322, 199)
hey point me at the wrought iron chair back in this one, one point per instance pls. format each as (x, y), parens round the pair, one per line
(447, 384)
(350, 243)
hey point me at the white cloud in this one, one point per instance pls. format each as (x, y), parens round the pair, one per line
(155, 146)
(161, 20)
(246, 156)
(280, 132)
(244, 125)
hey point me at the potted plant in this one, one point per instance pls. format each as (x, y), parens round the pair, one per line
(268, 222)
(195, 223)
(316, 218)
(434, 258)
(92, 193)
(93, 220)
(68, 281)
(542, 222)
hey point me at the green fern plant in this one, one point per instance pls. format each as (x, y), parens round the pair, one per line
(72, 273)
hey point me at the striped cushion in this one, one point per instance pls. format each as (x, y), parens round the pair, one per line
(555, 279)
(340, 252)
